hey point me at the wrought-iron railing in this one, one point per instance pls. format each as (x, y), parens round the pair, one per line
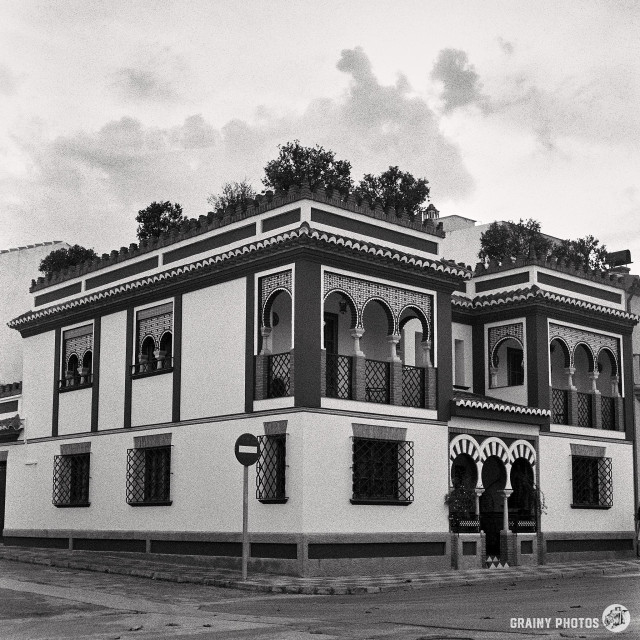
(412, 386)
(522, 523)
(462, 523)
(560, 406)
(584, 410)
(608, 412)
(152, 366)
(338, 376)
(279, 375)
(377, 381)
(76, 382)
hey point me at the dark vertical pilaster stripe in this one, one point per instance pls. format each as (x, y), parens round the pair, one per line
(95, 388)
(445, 360)
(627, 359)
(56, 382)
(537, 361)
(249, 360)
(177, 358)
(478, 351)
(307, 338)
(127, 370)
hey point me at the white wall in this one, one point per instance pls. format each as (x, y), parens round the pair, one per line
(463, 332)
(113, 349)
(74, 412)
(556, 484)
(213, 350)
(39, 354)
(151, 399)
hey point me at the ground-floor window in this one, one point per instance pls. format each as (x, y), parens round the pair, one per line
(382, 471)
(271, 469)
(149, 476)
(592, 483)
(71, 480)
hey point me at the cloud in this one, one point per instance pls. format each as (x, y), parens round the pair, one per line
(461, 83)
(8, 81)
(87, 186)
(155, 79)
(506, 46)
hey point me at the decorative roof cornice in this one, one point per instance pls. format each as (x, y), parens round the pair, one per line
(532, 294)
(32, 246)
(300, 236)
(607, 278)
(476, 401)
(222, 218)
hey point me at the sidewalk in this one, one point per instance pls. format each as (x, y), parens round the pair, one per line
(170, 568)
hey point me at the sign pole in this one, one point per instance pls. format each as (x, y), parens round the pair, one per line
(245, 521)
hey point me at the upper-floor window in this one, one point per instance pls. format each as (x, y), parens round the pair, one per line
(77, 358)
(154, 340)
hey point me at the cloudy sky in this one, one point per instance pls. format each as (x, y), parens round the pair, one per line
(510, 109)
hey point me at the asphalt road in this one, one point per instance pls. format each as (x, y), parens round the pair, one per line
(41, 602)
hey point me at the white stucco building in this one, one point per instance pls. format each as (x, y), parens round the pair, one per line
(379, 376)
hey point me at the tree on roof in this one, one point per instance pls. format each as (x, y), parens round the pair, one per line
(296, 164)
(159, 218)
(508, 240)
(65, 258)
(395, 188)
(233, 194)
(584, 252)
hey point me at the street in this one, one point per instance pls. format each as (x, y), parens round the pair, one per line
(43, 602)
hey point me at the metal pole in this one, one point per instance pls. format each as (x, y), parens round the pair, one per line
(245, 521)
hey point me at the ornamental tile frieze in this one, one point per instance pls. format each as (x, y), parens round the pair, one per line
(361, 292)
(573, 336)
(281, 281)
(154, 327)
(497, 334)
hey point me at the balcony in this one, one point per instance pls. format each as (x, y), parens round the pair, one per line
(338, 376)
(278, 375)
(587, 410)
(377, 381)
(153, 366)
(76, 381)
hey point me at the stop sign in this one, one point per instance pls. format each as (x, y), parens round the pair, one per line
(247, 449)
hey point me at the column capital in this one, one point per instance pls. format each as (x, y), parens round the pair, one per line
(505, 493)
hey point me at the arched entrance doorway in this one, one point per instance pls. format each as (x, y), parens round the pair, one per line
(494, 480)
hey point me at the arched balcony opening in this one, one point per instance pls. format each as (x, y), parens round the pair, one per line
(275, 343)
(561, 380)
(72, 375)
(608, 384)
(379, 347)
(507, 364)
(415, 353)
(146, 359)
(164, 356)
(492, 502)
(462, 498)
(524, 499)
(86, 369)
(584, 382)
(340, 344)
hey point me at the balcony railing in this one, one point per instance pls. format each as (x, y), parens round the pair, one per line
(608, 412)
(560, 406)
(338, 376)
(279, 375)
(464, 523)
(148, 367)
(377, 381)
(585, 418)
(522, 524)
(77, 381)
(412, 386)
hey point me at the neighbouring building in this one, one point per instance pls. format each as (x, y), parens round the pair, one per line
(379, 376)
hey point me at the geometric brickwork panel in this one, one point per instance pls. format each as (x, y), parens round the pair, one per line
(572, 337)
(498, 334)
(154, 325)
(281, 281)
(361, 292)
(77, 342)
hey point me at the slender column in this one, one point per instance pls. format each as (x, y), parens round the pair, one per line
(395, 371)
(266, 340)
(572, 397)
(427, 362)
(356, 334)
(505, 493)
(479, 492)
(596, 402)
(493, 377)
(358, 379)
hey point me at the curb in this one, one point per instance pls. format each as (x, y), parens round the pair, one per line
(334, 586)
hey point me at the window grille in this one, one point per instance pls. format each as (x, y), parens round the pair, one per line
(338, 376)
(560, 406)
(149, 476)
(271, 468)
(71, 480)
(608, 412)
(382, 471)
(584, 410)
(412, 386)
(377, 381)
(279, 380)
(592, 482)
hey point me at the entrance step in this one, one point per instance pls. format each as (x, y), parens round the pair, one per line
(496, 563)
